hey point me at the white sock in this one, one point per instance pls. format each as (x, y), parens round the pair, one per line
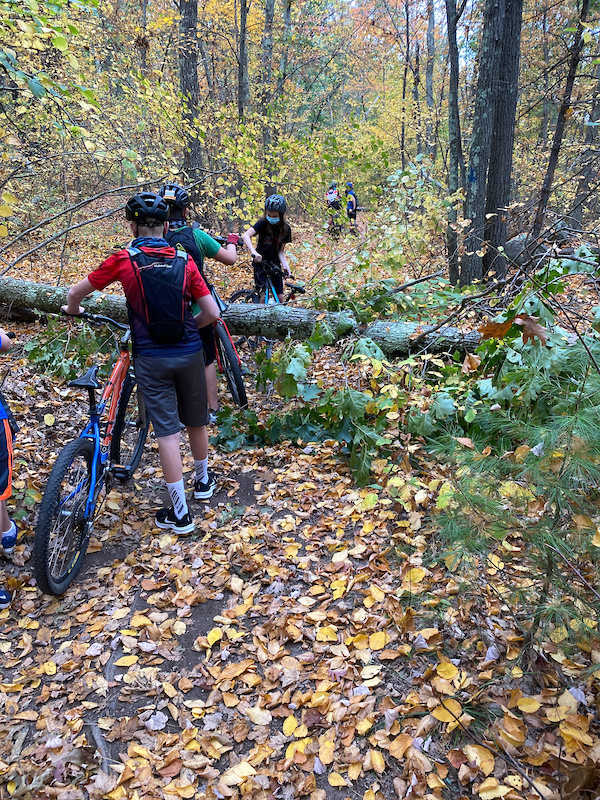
(201, 469)
(177, 495)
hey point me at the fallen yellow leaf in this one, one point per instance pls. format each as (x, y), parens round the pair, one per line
(528, 704)
(449, 710)
(126, 661)
(447, 670)
(378, 640)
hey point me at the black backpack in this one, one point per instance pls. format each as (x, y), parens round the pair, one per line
(162, 283)
(185, 239)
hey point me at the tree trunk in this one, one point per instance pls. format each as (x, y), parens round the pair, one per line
(188, 77)
(560, 123)
(429, 126)
(265, 91)
(455, 155)
(501, 156)
(273, 321)
(243, 79)
(589, 158)
(481, 139)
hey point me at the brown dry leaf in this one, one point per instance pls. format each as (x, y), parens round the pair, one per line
(531, 328)
(495, 330)
(471, 363)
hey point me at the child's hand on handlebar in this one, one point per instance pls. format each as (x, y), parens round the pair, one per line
(258, 258)
(67, 313)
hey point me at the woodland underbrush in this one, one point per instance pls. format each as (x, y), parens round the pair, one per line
(498, 450)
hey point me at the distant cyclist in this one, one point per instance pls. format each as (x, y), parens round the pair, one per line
(351, 206)
(333, 200)
(199, 245)
(273, 234)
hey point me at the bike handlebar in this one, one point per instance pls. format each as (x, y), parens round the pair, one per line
(99, 318)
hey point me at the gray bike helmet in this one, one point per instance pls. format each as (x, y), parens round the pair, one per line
(147, 208)
(276, 203)
(175, 195)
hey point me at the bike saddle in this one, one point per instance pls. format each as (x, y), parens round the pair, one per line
(296, 287)
(89, 380)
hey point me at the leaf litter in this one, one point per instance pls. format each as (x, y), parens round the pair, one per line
(308, 641)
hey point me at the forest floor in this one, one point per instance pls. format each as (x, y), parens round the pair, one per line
(306, 641)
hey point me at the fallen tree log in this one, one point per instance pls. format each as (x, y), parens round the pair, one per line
(394, 337)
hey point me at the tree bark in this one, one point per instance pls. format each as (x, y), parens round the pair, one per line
(501, 156)
(394, 337)
(429, 126)
(188, 77)
(243, 79)
(455, 154)
(481, 140)
(590, 160)
(560, 122)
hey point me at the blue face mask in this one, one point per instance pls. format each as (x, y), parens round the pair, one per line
(272, 220)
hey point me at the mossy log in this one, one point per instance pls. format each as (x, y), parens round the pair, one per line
(394, 337)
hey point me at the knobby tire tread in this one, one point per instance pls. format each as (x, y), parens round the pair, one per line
(231, 366)
(43, 546)
(132, 404)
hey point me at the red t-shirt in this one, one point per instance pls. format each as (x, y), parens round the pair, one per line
(118, 267)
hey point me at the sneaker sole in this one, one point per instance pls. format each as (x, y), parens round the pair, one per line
(204, 495)
(166, 526)
(8, 550)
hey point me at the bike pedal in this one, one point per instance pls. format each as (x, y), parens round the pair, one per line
(121, 473)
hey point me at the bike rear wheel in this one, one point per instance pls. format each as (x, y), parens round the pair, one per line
(130, 431)
(63, 531)
(230, 365)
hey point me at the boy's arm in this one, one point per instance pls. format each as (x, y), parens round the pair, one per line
(75, 296)
(209, 310)
(5, 342)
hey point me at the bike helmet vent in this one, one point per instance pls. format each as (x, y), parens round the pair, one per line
(276, 203)
(175, 195)
(349, 184)
(147, 209)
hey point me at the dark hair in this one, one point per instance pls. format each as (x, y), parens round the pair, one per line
(278, 230)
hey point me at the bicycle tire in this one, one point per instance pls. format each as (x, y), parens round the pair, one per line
(230, 365)
(245, 296)
(253, 297)
(130, 431)
(63, 531)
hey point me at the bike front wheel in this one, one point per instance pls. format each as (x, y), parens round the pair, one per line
(63, 530)
(230, 365)
(130, 431)
(247, 296)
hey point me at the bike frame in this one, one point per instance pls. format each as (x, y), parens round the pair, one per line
(222, 307)
(112, 392)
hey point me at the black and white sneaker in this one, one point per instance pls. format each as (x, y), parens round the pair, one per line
(204, 489)
(166, 519)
